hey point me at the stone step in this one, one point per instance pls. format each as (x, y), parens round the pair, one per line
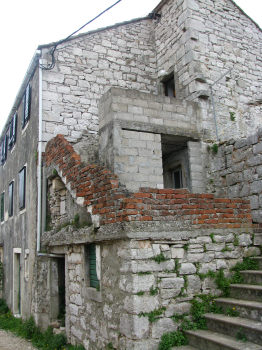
(249, 309)
(252, 276)
(259, 260)
(246, 292)
(208, 340)
(235, 326)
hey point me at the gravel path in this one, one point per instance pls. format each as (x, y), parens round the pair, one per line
(9, 341)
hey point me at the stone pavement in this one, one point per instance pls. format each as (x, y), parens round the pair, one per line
(8, 341)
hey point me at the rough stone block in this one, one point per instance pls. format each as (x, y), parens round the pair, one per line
(179, 308)
(162, 326)
(244, 240)
(134, 327)
(135, 304)
(187, 268)
(172, 283)
(177, 253)
(194, 285)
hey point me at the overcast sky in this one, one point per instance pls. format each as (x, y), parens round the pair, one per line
(25, 24)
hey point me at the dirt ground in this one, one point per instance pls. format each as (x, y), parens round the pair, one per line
(8, 341)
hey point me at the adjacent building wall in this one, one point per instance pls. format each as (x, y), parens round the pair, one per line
(19, 231)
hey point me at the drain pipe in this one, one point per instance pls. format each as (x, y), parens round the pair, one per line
(39, 166)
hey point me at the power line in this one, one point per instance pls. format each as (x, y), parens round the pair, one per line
(52, 50)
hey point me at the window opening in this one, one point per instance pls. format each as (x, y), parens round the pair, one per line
(169, 87)
(2, 206)
(27, 105)
(177, 177)
(11, 199)
(4, 145)
(22, 186)
(12, 131)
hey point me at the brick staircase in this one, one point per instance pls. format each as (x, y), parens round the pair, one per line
(234, 333)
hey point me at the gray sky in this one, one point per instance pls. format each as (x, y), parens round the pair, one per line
(26, 24)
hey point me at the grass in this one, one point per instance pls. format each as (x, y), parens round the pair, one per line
(153, 291)
(159, 258)
(153, 316)
(140, 293)
(241, 336)
(212, 236)
(28, 330)
(214, 148)
(170, 339)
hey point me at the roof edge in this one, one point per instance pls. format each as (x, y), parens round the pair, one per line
(163, 2)
(135, 20)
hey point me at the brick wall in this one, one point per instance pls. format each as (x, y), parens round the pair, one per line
(98, 188)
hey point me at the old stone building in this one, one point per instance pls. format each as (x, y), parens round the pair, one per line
(131, 165)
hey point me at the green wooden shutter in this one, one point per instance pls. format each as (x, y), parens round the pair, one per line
(94, 282)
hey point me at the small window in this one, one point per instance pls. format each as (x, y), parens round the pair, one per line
(27, 105)
(22, 185)
(169, 86)
(2, 206)
(12, 131)
(11, 199)
(93, 265)
(177, 177)
(4, 145)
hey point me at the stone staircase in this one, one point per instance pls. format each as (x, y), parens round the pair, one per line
(235, 333)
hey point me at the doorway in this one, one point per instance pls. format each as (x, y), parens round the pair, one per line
(17, 281)
(57, 290)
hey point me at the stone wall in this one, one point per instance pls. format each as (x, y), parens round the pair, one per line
(133, 283)
(236, 171)
(131, 129)
(201, 40)
(86, 67)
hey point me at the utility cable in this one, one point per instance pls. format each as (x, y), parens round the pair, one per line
(52, 50)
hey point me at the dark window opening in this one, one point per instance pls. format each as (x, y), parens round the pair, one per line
(27, 105)
(177, 177)
(4, 146)
(12, 131)
(169, 87)
(175, 161)
(11, 199)
(2, 206)
(22, 187)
